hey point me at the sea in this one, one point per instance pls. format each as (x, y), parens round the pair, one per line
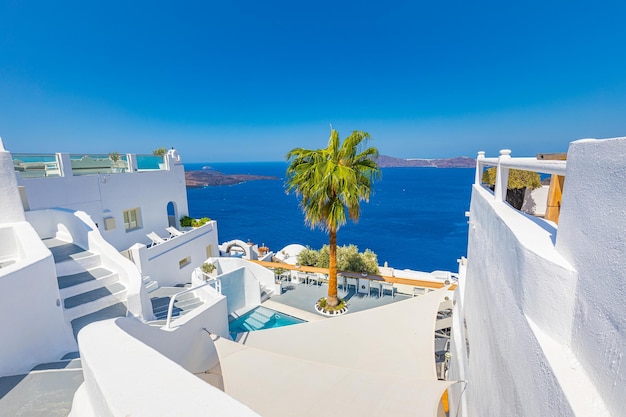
(415, 218)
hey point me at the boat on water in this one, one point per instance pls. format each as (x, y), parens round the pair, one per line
(93, 265)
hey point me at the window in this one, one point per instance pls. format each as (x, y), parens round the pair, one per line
(184, 262)
(132, 219)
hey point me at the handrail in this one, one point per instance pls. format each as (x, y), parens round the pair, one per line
(173, 299)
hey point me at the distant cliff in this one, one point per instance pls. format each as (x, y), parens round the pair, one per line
(211, 178)
(385, 161)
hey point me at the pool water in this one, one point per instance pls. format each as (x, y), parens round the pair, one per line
(261, 318)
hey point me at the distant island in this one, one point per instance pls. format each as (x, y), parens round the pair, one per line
(208, 177)
(385, 161)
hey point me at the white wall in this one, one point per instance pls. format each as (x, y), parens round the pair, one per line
(33, 328)
(150, 384)
(592, 236)
(162, 262)
(544, 306)
(241, 289)
(514, 275)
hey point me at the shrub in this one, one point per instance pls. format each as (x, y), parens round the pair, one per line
(308, 257)
(208, 267)
(186, 221)
(517, 178)
(159, 152)
(348, 259)
(200, 222)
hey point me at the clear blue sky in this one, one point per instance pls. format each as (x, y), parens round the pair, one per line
(249, 80)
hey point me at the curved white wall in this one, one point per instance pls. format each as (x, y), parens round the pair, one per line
(131, 374)
(33, 327)
(513, 275)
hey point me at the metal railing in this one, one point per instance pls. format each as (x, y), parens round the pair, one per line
(213, 281)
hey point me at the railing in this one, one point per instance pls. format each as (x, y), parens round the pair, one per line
(31, 165)
(504, 163)
(98, 164)
(63, 164)
(147, 162)
(217, 287)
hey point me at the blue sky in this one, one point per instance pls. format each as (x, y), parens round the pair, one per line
(249, 80)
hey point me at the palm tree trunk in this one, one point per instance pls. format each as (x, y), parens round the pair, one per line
(332, 299)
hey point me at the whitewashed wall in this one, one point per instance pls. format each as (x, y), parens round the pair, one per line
(152, 383)
(508, 281)
(162, 262)
(592, 236)
(33, 328)
(544, 306)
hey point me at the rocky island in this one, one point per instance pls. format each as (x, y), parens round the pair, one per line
(211, 178)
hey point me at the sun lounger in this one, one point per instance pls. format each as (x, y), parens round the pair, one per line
(156, 239)
(174, 232)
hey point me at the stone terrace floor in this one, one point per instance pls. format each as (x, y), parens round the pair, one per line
(303, 297)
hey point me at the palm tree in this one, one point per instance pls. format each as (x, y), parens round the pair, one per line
(332, 182)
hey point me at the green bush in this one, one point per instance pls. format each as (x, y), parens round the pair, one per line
(348, 259)
(200, 222)
(517, 178)
(159, 152)
(308, 257)
(186, 221)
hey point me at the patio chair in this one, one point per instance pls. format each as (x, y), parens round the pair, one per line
(174, 232)
(312, 278)
(387, 286)
(418, 291)
(352, 282)
(156, 239)
(341, 282)
(375, 285)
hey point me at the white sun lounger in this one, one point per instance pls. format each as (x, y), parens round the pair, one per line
(174, 232)
(156, 239)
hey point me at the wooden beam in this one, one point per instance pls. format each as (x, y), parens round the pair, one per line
(552, 156)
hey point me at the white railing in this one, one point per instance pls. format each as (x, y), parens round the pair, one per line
(504, 163)
(213, 283)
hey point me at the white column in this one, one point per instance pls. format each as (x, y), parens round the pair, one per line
(502, 176)
(11, 209)
(479, 168)
(65, 164)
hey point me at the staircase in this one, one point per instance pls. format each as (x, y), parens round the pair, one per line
(89, 292)
(161, 297)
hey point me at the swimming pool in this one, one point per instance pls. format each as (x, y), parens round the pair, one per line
(261, 318)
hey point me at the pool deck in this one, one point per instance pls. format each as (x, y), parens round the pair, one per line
(298, 300)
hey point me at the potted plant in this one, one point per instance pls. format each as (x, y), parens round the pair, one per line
(209, 269)
(115, 157)
(160, 152)
(278, 284)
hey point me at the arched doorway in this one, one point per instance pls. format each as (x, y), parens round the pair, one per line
(172, 214)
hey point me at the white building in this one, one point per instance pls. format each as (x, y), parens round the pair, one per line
(101, 207)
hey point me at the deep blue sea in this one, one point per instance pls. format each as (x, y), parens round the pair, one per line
(415, 218)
